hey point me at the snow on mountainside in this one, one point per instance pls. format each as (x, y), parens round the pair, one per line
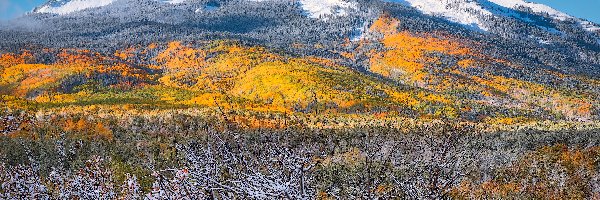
(473, 12)
(317, 8)
(535, 7)
(313, 8)
(541, 8)
(460, 11)
(62, 7)
(174, 1)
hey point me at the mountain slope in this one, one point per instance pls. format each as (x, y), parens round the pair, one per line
(502, 59)
(299, 99)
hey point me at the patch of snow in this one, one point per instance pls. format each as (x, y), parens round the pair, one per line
(208, 8)
(174, 1)
(74, 6)
(357, 34)
(542, 41)
(589, 26)
(465, 12)
(319, 8)
(535, 7)
(500, 10)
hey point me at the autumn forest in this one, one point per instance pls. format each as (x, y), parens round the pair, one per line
(397, 113)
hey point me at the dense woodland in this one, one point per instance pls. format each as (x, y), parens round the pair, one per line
(248, 101)
(182, 155)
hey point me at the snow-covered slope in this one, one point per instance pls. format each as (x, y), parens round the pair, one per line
(174, 1)
(318, 8)
(473, 12)
(541, 8)
(465, 12)
(535, 7)
(62, 7)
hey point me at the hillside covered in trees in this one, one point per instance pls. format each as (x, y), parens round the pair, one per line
(299, 99)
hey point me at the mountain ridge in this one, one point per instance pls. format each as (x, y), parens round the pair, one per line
(338, 7)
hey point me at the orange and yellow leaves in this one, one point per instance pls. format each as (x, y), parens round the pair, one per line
(233, 76)
(125, 54)
(178, 56)
(507, 120)
(497, 84)
(152, 46)
(37, 80)
(189, 68)
(25, 77)
(404, 98)
(434, 98)
(207, 99)
(408, 56)
(124, 70)
(252, 78)
(386, 25)
(78, 58)
(88, 130)
(416, 46)
(278, 83)
(466, 63)
(443, 64)
(262, 81)
(9, 59)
